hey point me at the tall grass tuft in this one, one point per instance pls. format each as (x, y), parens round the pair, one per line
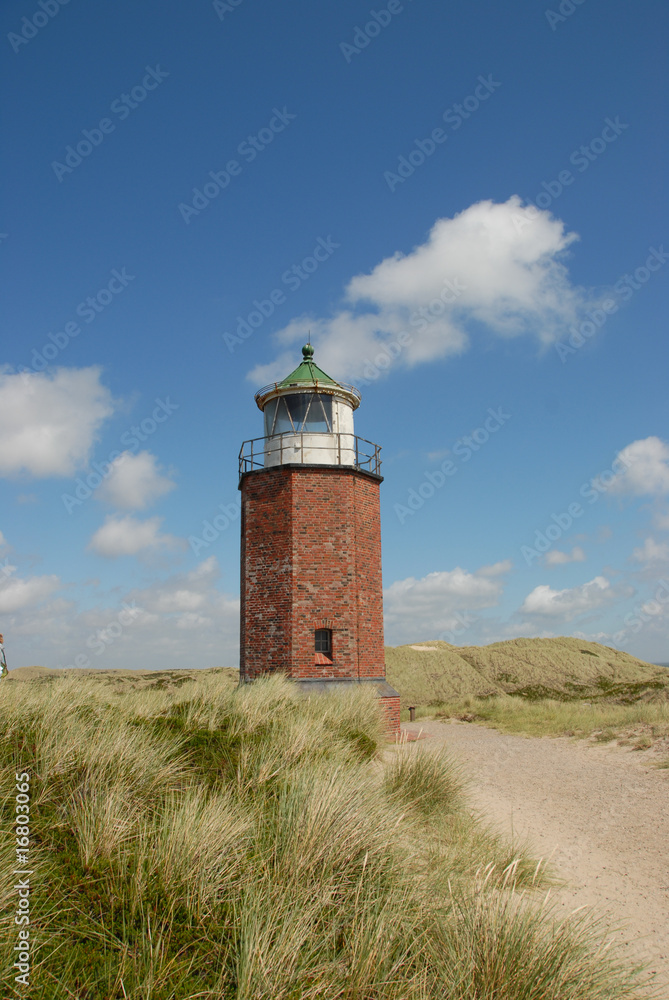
(426, 779)
(193, 841)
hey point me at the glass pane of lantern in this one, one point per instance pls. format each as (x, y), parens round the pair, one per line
(319, 418)
(298, 406)
(269, 412)
(283, 423)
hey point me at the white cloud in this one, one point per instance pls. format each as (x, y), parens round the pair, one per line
(568, 604)
(602, 637)
(126, 536)
(156, 633)
(134, 482)
(504, 265)
(661, 520)
(421, 609)
(496, 569)
(49, 422)
(3, 540)
(557, 558)
(16, 593)
(647, 472)
(184, 594)
(652, 552)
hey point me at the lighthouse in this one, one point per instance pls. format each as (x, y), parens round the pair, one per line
(311, 587)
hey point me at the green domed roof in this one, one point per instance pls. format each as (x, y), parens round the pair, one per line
(308, 376)
(307, 372)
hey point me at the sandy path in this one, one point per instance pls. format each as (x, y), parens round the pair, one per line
(601, 813)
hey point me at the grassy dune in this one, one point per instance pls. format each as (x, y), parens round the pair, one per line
(192, 840)
(563, 669)
(561, 686)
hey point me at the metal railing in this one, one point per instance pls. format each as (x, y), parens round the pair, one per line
(281, 449)
(329, 388)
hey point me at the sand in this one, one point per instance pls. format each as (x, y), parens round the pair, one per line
(599, 812)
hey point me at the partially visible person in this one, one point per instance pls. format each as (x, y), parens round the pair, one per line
(3, 660)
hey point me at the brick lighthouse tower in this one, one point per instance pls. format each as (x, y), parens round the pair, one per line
(311, 593)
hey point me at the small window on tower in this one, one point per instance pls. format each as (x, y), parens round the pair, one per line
(324, 641)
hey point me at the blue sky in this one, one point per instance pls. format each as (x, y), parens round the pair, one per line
(465, 205)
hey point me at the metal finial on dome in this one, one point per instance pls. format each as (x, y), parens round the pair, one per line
(307, 352)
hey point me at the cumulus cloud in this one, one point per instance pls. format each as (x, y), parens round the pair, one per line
(435, 603)
(652, 552)
(134, 482)
(16, 593)
(187, 596)
(647, 472)
(494, 264)
(126, 536)
(49, 422)
(544, 602)
(180, 621)
(661, 520)
(496, 569)
(557, 558)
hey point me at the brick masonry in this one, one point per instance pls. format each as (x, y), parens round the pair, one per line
(311, 558)
(391, 710)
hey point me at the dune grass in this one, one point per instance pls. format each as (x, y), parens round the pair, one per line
(539, 687)
(202, 842)
(641, 725)
(560, 669)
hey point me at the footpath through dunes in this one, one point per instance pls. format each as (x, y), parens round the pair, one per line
(600, 813)
(427, 673)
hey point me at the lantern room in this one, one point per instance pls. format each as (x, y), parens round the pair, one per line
(308, 419)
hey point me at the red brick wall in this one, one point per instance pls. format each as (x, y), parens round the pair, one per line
(391, 711)
(311, 558)
(371, 655)
(265, 612)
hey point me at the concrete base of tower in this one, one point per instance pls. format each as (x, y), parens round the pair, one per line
(387, 695)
